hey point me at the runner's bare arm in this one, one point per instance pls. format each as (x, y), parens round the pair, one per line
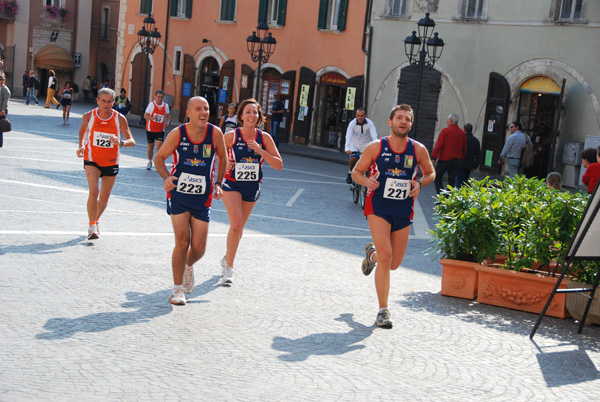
(426, 168)
(364, 163)
(129, 140)
(221, 150)
(270, 153)
(82, 130)
(167, 149)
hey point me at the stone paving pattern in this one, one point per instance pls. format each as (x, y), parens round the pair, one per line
(91, 321)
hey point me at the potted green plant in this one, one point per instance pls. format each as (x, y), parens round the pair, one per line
(465, 235)
(534, 224)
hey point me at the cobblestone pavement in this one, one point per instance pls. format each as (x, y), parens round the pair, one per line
(90, 320)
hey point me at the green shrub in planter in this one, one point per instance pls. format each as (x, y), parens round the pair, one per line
(466, 227)
(518, 217)
(535, 223)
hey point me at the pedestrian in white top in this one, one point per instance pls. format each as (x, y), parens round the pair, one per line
(361, 131)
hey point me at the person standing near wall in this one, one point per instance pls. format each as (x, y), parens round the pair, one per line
(450, 148)
(25, 83)
(87, 86)
(52, 84)
(513, 149)
(31, 89)
(277, 111)
(4, 97)
(472, 157)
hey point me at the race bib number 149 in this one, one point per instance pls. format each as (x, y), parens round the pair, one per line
(396, 189)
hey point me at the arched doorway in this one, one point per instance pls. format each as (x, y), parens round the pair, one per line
(208, 77)
(539, 103)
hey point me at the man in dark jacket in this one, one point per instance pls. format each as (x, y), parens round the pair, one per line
(472, 157)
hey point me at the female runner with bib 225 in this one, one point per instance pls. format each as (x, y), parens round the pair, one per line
(247, 147)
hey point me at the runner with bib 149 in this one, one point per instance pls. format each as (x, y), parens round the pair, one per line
(392, 190)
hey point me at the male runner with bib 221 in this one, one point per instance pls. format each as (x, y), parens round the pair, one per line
(392, 190)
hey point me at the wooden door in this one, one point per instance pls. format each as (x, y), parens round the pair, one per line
(304, 105)
(138, 67)
(246, 82)
(495, 122)
(189, 72)
(226, 77)
(426, 118)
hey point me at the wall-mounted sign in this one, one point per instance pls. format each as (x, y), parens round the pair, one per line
(187, 89)
(304, 95)
(333, 79)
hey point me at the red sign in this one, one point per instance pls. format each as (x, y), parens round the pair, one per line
(334, 79)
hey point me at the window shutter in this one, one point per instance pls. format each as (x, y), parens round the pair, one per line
(323, 6)
(281, 12)
(227, 10)
(263, 9)
(146, 7)
(188, 9)
(341, 25)
(174, 4)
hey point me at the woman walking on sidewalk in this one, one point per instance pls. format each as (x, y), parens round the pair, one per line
(52, 82)
(247, 148)
(67, 95)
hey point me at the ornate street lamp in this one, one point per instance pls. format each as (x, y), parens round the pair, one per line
(260, 47)
(148, 39)
(422, 52)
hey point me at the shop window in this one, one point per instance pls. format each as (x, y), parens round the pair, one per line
(272, 11)
(473, 9)
(568, 10)
(396, 8)
(332, 14)
(146, 7)
(227, 10)
(181, 8)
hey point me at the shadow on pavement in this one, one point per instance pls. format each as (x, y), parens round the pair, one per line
(148, 306)
(328, 343)
(42, 248)
(562, 367)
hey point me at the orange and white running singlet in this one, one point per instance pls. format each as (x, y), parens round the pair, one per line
(98, 147)
(158, 112)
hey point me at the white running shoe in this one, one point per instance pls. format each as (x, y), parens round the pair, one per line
(93, 232)
(149, 165)
(177, 296)
(227, 277)
(189, 284)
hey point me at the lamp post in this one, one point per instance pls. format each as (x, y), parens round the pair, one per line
(260, 47)
(422, 52)
(148, 39)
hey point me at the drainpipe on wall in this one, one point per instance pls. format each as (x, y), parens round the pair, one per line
(367, 36)
(162, 86)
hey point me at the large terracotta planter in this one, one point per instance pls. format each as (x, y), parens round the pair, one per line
(520, 291)
(576, 303)
(459, 278)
